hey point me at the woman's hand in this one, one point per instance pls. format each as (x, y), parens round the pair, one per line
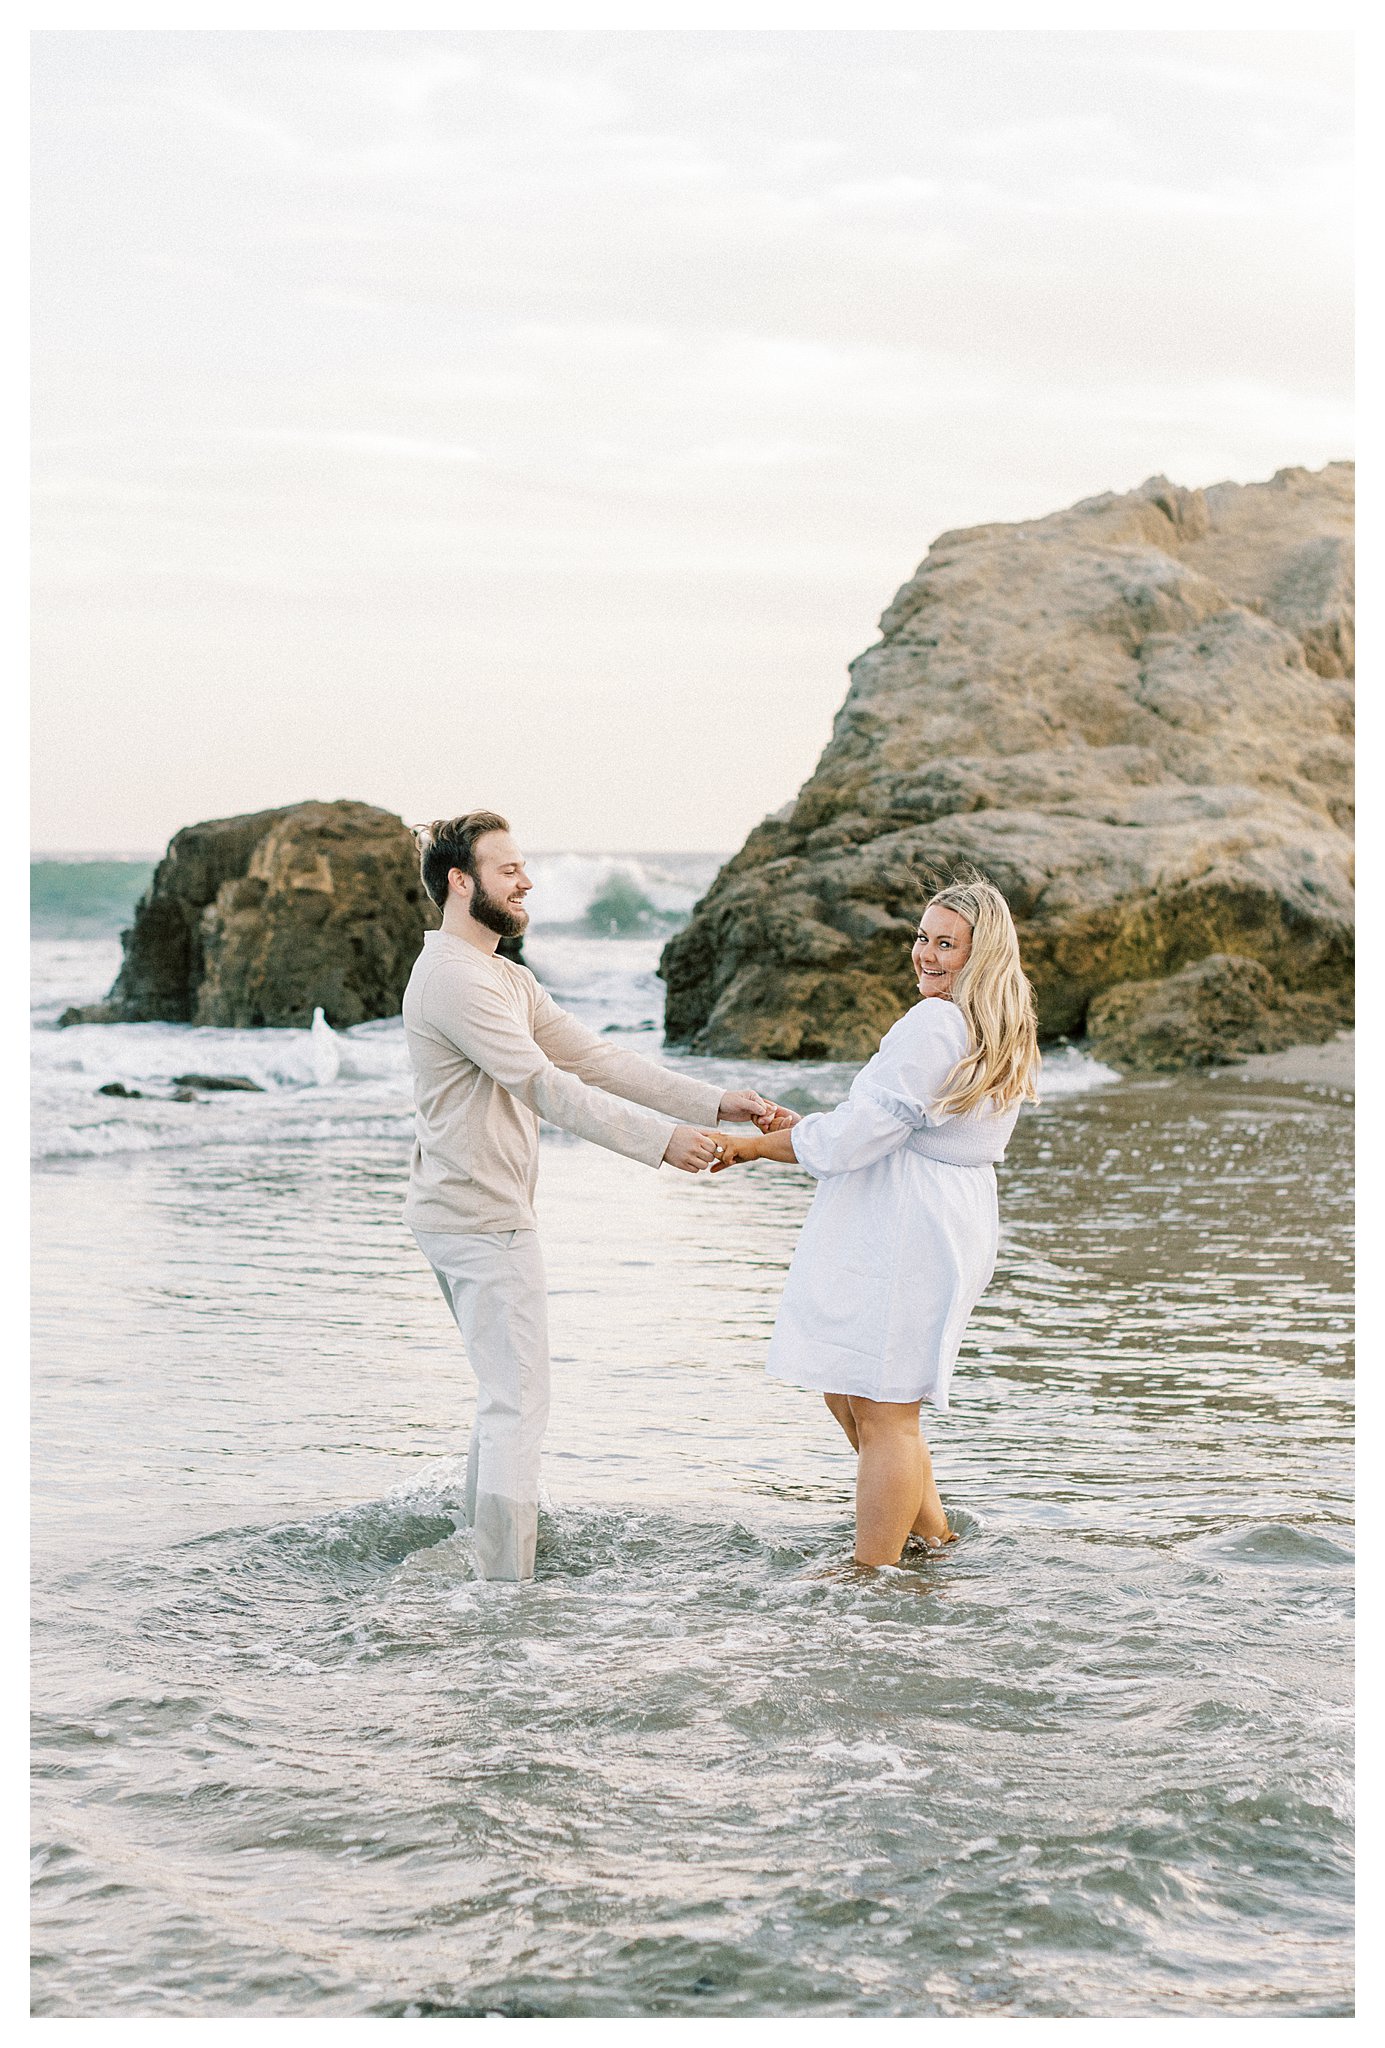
(775, 1145)
(736, 1150)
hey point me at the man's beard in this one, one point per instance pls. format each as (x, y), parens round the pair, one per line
(496, 916)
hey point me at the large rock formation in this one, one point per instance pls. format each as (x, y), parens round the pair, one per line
(1134, 716)
(261, 919)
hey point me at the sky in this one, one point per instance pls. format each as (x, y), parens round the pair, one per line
(542, 421)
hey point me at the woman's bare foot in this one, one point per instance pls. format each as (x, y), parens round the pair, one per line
(930, 1524)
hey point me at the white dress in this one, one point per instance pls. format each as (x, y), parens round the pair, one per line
(901, 1238)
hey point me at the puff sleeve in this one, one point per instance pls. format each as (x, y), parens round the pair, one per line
(890, 1098)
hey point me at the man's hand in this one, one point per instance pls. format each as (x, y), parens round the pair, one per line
(743, 1106)
(690, 1150)
(747, 1106)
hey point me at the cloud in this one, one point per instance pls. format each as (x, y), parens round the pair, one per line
(1307, 71)
(350, 441)
(651, 362)
(754, 455)
(887, 195)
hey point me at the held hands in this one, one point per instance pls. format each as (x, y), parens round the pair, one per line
(735, 1151)
(691, 1150)
(745, 1105)
(776, 1144)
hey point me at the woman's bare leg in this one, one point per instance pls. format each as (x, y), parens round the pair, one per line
(931, 1520)
(840, 1406)
(889, 1477)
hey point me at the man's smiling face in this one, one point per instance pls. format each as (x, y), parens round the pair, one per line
(497, 892)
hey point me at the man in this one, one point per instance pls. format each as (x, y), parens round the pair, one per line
(492, 1053)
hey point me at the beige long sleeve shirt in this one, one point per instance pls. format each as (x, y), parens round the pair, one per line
(492, 1053)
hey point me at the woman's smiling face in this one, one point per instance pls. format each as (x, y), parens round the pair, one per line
(940, 950)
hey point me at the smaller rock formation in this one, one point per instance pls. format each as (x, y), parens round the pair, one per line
(1218, 1009)
(262, 919)
(213, 1084)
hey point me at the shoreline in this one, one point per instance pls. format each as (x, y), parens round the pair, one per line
(1330, 1065)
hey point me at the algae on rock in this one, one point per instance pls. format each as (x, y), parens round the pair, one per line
(1217, 1010)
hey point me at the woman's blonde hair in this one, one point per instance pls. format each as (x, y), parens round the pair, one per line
(993, 994)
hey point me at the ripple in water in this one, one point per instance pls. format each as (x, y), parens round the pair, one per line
(295, 1759)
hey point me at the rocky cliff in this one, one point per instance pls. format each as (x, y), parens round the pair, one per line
(261, 919)
(1135, 716)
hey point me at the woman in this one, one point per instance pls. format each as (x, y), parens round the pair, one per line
(901, 1237)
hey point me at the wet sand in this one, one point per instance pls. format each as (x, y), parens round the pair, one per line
(1332, 1065)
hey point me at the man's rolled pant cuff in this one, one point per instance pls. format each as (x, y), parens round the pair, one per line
(504, 1537)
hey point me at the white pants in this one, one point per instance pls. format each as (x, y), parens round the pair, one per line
(494, 1284)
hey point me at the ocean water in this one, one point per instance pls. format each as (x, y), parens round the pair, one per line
(293, 1758)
